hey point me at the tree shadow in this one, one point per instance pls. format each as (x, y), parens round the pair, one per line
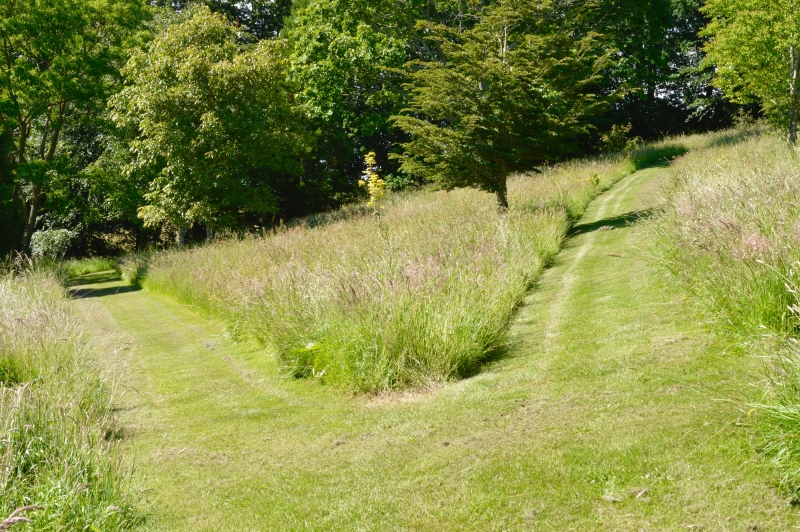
(615, 222)
(86, 293)
(95, 278)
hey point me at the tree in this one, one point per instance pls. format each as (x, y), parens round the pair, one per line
(346, 58)
(213, 123)
(507, 95)
(59, 59)
(260, 18)
(343, 53)
(755, 45)
(657, 72)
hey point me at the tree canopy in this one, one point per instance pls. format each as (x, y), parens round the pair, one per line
(50, 78)
(132, 119)
(213, 121)
(755, 45)
(505, 95)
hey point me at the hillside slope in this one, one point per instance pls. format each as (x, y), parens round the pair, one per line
(609, 411)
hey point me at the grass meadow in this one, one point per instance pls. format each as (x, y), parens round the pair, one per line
(57, 435)
(730, 234)
(419, 292)
(609, 410)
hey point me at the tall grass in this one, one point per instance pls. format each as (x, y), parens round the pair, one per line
(133, 268)
(730, 234)
(78, 267)
(56, 429)
(420, 293)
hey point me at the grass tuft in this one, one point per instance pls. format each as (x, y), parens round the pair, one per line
(133, 268)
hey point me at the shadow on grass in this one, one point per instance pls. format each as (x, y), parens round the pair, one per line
(95, 278)
(484, 364)
(615, 222)
(86, 293)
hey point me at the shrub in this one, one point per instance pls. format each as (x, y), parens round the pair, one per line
(52, 243)
(616, 140)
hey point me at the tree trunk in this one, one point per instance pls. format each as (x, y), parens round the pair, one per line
(209, 234)
(502, 196)
(794, 54)
(181, 236)
(30, 225)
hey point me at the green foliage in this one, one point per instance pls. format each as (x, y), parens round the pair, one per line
(260, 18)
(51, 244)
(755, 45)
(50, 77)
(339, 62)
(662, 85)
(617, 139)
(505, 96)
(344, 66)
(214, 121)
(54, 416)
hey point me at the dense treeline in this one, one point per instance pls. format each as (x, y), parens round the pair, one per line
(137, 123)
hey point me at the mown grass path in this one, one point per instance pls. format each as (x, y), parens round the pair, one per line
(613, 410)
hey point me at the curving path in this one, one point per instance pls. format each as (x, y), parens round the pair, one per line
(612, 410)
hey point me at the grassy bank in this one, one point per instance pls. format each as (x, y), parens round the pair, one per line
(420, 293)
(57, 448)
(731, 235)
(608, 411)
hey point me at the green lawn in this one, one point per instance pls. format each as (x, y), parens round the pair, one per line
(612, 409)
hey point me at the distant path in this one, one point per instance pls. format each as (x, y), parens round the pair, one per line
(610, 411)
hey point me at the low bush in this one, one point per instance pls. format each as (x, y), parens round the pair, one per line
(52, 243)
(55, 415)
(420, 293)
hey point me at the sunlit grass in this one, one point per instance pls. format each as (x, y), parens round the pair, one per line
(610, 410)
(731, 235)
(87, 266)
(57, 446)
(418, 294)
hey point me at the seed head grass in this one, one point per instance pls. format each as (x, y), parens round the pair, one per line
(418, 294)
(55, 415)
(730, 234)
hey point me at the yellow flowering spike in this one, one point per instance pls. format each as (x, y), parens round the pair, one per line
(376, 187)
